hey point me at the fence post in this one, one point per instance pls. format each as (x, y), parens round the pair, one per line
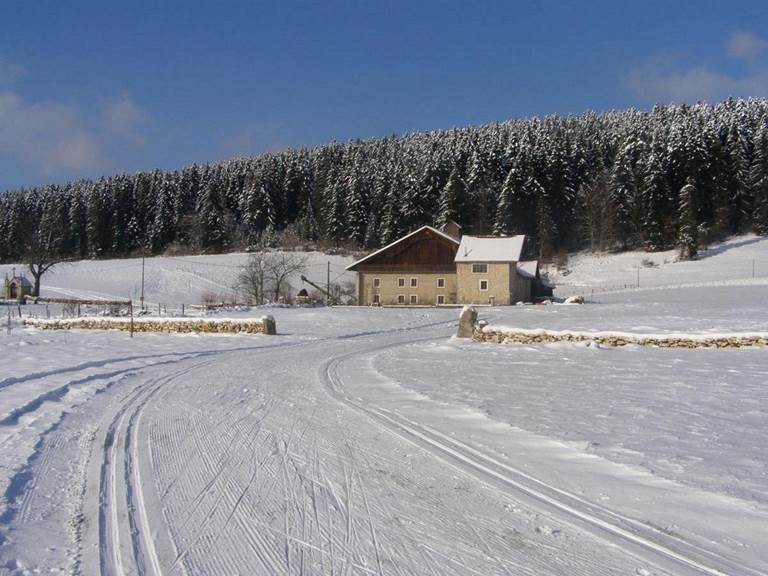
(182, 310)
(130, 305)
(9, 321)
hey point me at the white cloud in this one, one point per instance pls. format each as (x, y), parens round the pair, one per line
(49, 136)
(653, 83)
(746, 45)
(124, 118)
(58, 140)
(663, 79)
(9, 72)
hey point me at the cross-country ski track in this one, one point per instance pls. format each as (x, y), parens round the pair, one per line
(278, 457)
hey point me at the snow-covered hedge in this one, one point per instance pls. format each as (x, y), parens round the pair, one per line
(505, 335)
(264, 325)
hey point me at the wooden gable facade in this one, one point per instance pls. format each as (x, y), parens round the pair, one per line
(418, 269)
(426, 250)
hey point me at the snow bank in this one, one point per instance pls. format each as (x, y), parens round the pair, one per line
(505, 334)
(264, 325)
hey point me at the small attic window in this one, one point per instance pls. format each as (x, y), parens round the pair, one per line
(480, 268)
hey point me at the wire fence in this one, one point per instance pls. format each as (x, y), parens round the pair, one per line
(660, 277)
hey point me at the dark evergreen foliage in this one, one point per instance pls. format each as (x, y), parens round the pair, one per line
(606, 181)
(687, 230)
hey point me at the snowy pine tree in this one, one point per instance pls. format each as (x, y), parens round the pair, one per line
(687, 230)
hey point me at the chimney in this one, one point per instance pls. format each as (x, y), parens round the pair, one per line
(452, 229)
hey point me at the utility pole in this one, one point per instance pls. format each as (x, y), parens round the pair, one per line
(638, 275)
(328, 285)
(142, 282)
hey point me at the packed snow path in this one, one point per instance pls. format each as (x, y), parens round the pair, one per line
(296, 455)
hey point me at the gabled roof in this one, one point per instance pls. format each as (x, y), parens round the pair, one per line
(20, 281)
(491, 248)
(403, 239)
(528, 269)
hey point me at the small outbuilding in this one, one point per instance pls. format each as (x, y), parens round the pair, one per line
(17, 287)
(303, 297)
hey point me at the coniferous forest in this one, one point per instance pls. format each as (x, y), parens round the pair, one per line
(677, 175)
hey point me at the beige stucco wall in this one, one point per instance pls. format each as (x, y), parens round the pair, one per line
(388, 290)
(499, 286)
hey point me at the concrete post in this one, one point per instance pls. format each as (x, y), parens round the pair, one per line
(270, 327)
(467, 321)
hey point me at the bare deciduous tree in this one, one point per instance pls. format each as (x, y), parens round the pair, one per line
(267, 273)
(42, 254)
(283, 265)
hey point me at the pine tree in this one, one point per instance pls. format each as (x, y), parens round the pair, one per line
(509, 205)
(480, 193)
(210, 215)
(336, 195)
(654, 197)
(758, 180)
(356, 210)
(625, 185)
(546, 229)
(740, 200)
(687, 226)
(451, 201)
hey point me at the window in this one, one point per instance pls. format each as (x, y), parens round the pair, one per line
(401, 299)
(441, 299)
(414, 282)
(376, 282)
(401, 282)
(376, 299)
(414, 299)
(441, 282)
(480, 268)
(483, 285)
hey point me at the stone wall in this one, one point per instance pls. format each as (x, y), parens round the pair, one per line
(512, 336)
(426, 289)
(265, 325)
(499, 283)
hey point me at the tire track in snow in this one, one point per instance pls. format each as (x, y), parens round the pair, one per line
(637, 538)
(122, 503)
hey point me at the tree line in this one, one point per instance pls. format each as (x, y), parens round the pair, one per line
(676, 175)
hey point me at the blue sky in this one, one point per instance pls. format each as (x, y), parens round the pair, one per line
(93, 88)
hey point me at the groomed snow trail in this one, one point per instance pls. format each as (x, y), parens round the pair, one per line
(259, 458)
(643, 540)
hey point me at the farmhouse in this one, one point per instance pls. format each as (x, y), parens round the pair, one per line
(435, 267)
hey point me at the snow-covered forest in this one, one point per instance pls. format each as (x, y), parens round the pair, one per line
(601, 181)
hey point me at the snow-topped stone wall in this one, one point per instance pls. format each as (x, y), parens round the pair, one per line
(264, 325)
(506, 335)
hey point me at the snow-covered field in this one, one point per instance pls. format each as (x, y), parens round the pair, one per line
(170, 280)
(369, 441)
(740, 260)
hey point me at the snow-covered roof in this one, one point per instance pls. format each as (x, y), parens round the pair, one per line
(528, 268)
(404, 238)
(490, 248)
